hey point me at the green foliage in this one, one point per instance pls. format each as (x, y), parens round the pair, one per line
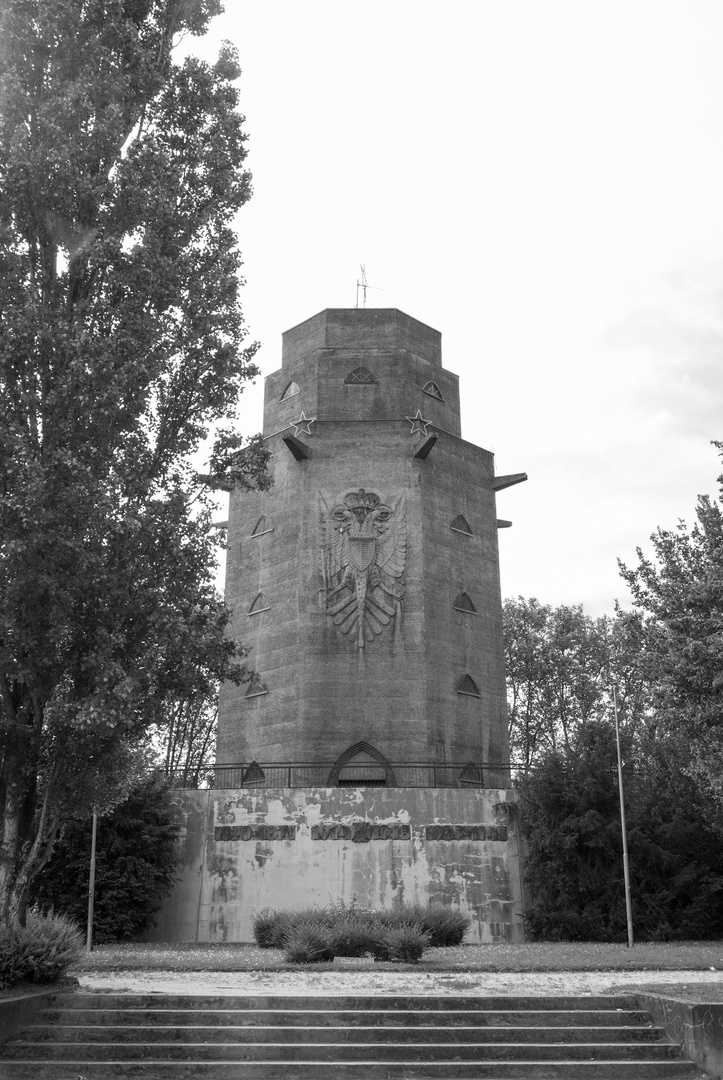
(41, 951)
(574, 865)
(402, 932)
(446, 926)
(404, 944)
(135, 865)
(355, 937)
(309, 943)
(560, 667)
(123, 346)
(681, 590)
(266, 931)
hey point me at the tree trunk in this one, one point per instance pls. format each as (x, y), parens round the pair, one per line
(12, 908)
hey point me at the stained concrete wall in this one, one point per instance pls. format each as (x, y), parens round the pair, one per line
(241, 851)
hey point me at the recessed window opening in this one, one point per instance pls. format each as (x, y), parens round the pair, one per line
(464, 603)
(461, 525)
(291, 391)
(361, 376)
(433, 390)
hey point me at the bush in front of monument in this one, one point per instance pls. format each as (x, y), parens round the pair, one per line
(401, 934)
(41, 951)
(308, 944)
(405, 944)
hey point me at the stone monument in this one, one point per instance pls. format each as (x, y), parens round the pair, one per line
(367, 757)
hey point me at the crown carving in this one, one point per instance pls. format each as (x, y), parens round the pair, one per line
(361, 500)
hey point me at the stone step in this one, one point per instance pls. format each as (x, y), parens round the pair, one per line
(348, 1052)
(151, 1037)
(210, 1032)
(142, 1069)
(479, 1017)
(350, 1003)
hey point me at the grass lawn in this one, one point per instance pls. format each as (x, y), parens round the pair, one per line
(535, 956)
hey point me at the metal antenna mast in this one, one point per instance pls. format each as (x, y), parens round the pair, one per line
(363, 285)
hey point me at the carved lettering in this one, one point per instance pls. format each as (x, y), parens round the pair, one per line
(255, 832)
(465, 832)
(361, 832)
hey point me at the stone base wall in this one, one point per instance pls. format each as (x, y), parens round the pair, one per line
(244, 850)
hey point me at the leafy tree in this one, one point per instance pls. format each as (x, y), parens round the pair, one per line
(561, 665)
(681, 589)
(135, 865)
(122, 343)
(571, 819)
(187, 736)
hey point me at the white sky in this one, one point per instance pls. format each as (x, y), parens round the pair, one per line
(543, 183)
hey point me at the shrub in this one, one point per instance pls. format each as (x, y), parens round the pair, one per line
(355, 939)
(405, 944)
(309, 944)
(446, 926)
(40, 951)
(266, 929)
(354, 931)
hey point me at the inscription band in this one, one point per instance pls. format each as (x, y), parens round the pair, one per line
(361, 832)
(255, 832)
(466, 832)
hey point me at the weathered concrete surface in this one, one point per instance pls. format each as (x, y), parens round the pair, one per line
(18, 1012)
(697, 1027)
(244, 859)
(321, 692)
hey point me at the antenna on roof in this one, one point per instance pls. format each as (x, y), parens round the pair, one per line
(363, 285)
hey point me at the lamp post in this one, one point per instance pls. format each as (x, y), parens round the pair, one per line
(91, 883)
(626, 866)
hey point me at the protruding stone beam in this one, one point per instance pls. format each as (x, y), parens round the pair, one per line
(502, 524)
(299, 449)
(499, 483)
(425, 448)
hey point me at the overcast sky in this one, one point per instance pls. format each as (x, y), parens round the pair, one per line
(542, 182)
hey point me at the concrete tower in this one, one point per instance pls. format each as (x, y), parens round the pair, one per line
(366, 581)
(367, 759)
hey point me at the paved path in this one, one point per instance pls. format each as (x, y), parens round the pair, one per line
(364, 982)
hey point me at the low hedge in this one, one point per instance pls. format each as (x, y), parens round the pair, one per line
(41, 951)
(401, 933)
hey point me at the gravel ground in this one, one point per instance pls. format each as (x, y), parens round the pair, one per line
(693, 985)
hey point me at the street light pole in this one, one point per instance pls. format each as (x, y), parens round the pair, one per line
(626, 865)
(91, 883)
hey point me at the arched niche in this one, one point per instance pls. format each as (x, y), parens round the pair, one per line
(291, 391)
(464, 603)
(361, 376)
(468, 687)
(262, 526)
(253, 776)
(362, 765)
(433, 390)
(461, 525)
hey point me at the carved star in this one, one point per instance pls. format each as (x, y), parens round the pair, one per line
(302, 426)
(419, 424)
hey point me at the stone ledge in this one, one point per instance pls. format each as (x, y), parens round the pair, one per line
(697, 1027)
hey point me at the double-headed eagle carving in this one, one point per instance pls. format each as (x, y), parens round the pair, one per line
(364, 546)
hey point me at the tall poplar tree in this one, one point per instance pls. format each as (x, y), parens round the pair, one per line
(121, 343)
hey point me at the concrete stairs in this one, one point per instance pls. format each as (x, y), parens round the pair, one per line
(102, 1036)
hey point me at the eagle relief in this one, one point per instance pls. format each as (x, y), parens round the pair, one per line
(363, 549)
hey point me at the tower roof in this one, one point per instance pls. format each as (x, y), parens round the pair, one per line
(363, 328)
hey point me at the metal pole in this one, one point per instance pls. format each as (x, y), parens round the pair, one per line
(91, 884)
(626, 866)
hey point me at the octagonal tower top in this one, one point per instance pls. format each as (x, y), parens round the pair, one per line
(348, 364)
